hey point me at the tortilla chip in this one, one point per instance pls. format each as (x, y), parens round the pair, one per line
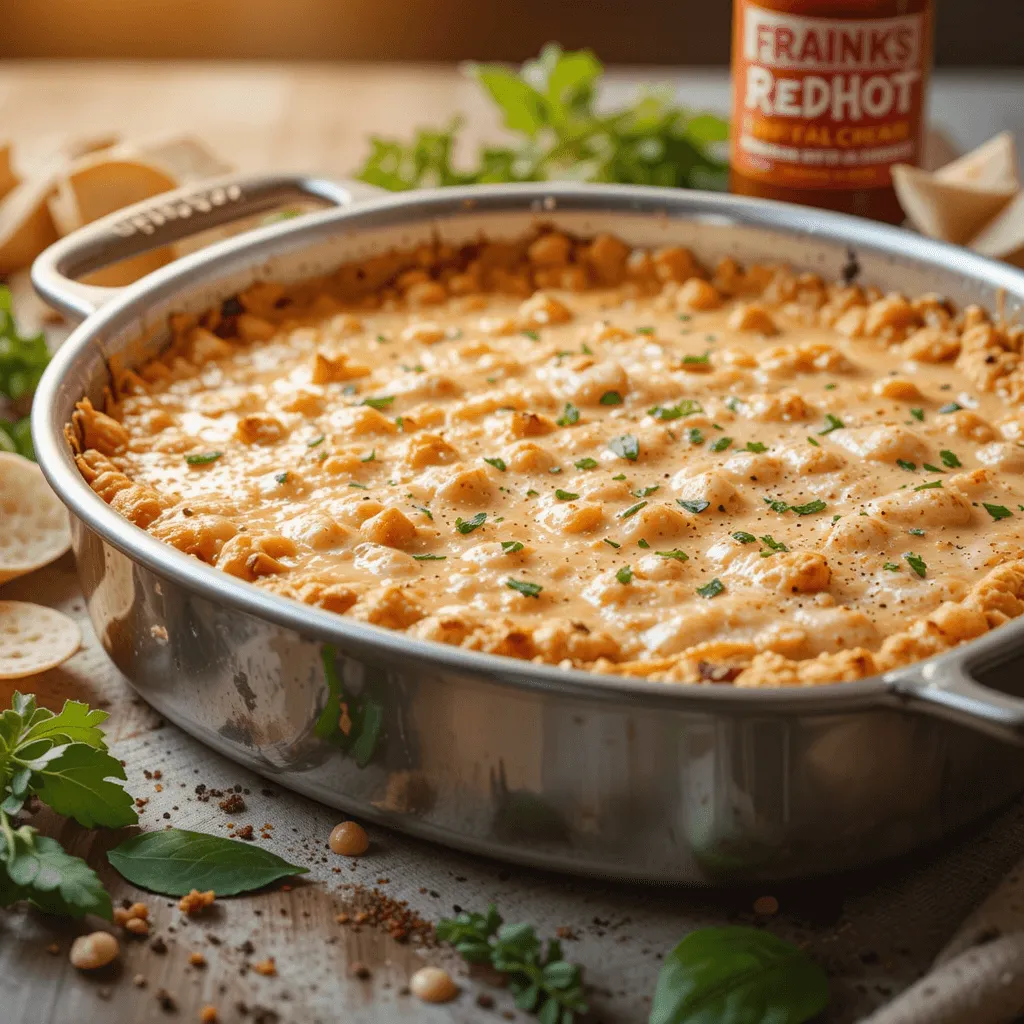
(35, 523)
(992, 165)
(1003, 238)
(26, 227)
(948, 210)
(34, 638)
(8, 179)
(100, 184)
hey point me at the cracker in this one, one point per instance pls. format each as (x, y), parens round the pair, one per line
(1003, 237)
(992, 165)
(34, 638)
(35, 527)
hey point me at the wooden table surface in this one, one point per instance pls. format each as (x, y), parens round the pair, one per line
(316, 118)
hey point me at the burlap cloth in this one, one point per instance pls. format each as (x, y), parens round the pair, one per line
(875, 932)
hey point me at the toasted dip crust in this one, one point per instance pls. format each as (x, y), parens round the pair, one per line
(561, 450)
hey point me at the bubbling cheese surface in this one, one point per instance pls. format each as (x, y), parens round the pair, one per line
(561, 450)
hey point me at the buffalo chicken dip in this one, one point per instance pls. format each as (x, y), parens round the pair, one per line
(571, 452)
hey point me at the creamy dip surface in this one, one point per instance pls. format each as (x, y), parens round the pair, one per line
(563, 450)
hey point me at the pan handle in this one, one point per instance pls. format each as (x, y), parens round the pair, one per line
(169, 217)
(947, 688)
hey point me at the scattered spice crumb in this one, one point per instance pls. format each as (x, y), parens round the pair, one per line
(53, 949)
(268, 967)
(360, 970)
(232, 804)
(139, 981)
(246, 833)
(196, 901)
(158, 946)
(197, 959)
(766, 906)
(485, 1001)
(137, 926)
(208, 1015)
(166, 1001)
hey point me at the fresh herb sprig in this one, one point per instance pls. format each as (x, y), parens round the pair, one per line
(62, 759)
(550, 105)
(22, 361)
(541, 980)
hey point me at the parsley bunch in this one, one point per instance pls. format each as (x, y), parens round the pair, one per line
(63, 760)
(550, 104)
(22, 361)
(541, 981)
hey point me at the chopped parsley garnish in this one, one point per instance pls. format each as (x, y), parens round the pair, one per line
(950, 407)
(997, 512)
(619, 476)
(381, 402)
(949, 459)
(777, 505)
(916, 531)
(532, 335)
(633, 509)
(929, 468)
(830, 387)
(720, 444)
(695, 436)
(646, 492)
(810, 507)
(611, 398)
(743, 537)
(400, 423)
(355, 483)
(916, 562)
(555, 469)
(732, 403)
(644, 330)
(426, 511)
(679, 556)
(770, 542)
(695, 506)
(684, 407)
(570, 415)
(282, 478)
(831, 423)
(371, 457)
(497, 463)
(810, 440)
(698, 360)
(587, 463)
(565, 495)
(624, 575)
(626, 446)
(315, 441)
(611, 543)
(712, 589)
(469, 525)
(510, 547)
(641, 543)
(524, 588)
(586, 349)
(684, 317)
(891, 566)
(910, 467)
(531, 493)
(931, 485)
(756, 447)
(203, 458)
(918, 414)
(430, 558)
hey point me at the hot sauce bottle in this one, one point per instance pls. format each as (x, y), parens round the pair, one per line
(827, 96)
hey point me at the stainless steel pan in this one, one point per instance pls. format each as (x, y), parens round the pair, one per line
(525, 762)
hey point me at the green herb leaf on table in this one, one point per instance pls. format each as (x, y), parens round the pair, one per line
(550, 105)
(541, 981)
(738, 975)
(78, 784)
(174, 861)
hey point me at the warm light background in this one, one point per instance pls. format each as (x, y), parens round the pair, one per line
(679, 32)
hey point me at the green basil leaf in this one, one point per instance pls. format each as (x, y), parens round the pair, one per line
(737, 975)
(78, 785)
(76, 723)
(39, 871)
(174, 862)
(522, 105)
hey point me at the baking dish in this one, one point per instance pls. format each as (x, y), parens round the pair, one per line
(526, 762)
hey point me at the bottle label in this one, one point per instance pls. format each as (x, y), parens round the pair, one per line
(820, 103)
